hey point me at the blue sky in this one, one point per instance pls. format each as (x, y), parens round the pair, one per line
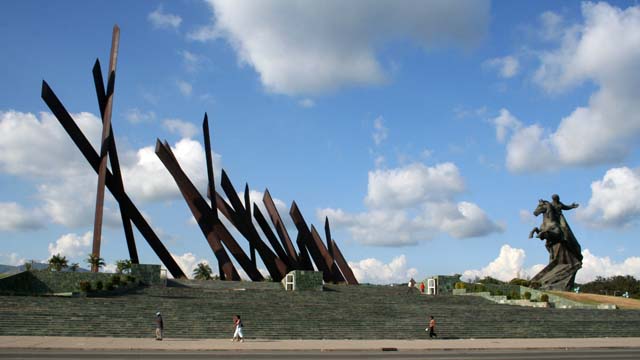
(426, 131)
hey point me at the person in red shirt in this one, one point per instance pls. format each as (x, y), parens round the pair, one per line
(432, 328)
(422, 287)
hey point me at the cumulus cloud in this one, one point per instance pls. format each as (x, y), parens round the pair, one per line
(137, 116)
(162, 20)
(72, 245)
(413, 184)
(12, 259)
(615, 200)
(594, 266)
(411, 204)
(508, 265)
(605, 51)
(17, 218)
(374, 271)
(380, 132)
(184, 128)
(332, 44)
(192, 62)
(507, 67)
(147, 179)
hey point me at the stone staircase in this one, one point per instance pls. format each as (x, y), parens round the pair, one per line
(194, 309)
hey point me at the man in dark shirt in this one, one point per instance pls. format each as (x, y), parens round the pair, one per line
(159, 326)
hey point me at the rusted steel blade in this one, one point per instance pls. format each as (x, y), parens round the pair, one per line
(327, 234)
(199, 208)
(238, 217)
(247, 207)
(211, 186)
(271, 236)
(343, 265)
(104, 149)
(281, 230)
(315, 249)
(335, 272)
(124, 201)
(303, 255)
(113, 158)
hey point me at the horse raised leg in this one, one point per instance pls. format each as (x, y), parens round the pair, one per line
(535, 230)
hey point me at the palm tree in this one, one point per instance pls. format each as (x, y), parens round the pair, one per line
(74, 267)
(58, 262)
(202, 272)
(123, 266)
(95, 261)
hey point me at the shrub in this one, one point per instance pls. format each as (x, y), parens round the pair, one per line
(521, 282)
(527, 295)
(99, 285)
(109, 285)
(115, 280)
(514, 295)
(130, 278)
(85, 286)
(534, 285)
(460, 285)
(544, 298)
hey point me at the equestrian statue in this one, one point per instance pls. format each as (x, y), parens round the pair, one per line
(565, 255)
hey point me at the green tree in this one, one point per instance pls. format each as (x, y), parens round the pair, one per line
(95, 262)
(123, 266)
(28, 265)
(202, 272)
(74, 267)
(58, 262)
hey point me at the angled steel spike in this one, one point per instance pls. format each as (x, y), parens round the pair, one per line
(200, 209)
(113, 157)
(211, 186)
(305, 236)
(335, 271)
(238, 217)
(203, 213)
(273, 240)
(104, 149)
(124, 201)
(247, 206)
(303, 256)
(327, 233)
(281, 230)
(343, 265)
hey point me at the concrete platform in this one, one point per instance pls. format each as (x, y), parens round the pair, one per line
(105, 343)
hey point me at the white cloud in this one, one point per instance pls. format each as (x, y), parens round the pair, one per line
(307, 103)
(412, 184)
(504, 123)
(412, 204)
(375, 271)
(72, 246)
(188, 262)
(12, 259)
(136, 116)
(594, 266)
(184, 128)
(185, 88)
(192, 62)
(38, 148)
(147, 179)
(162, 20)
(508, 265)
(527, 217)
(332, 44)
(16, 218)
(615, 200)
(380, 132)
(551, 25)
(603, 50)
(507, 66)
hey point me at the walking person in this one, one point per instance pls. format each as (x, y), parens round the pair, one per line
(237, 334)
(159, 326)
(432, 328)
(422, 287)
(411, 285)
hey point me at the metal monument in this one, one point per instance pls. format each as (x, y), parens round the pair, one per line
(278, 253)
(565, 255)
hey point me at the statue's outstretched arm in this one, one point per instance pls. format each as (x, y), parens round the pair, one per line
(569, 207)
